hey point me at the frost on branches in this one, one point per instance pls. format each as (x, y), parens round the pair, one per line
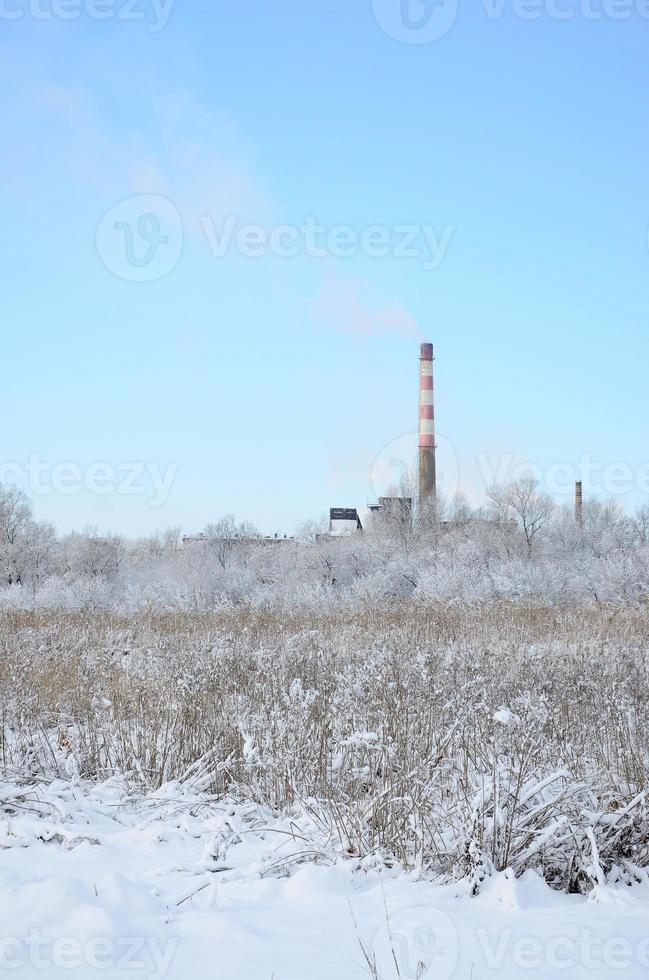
(520, 547)
(458, 701)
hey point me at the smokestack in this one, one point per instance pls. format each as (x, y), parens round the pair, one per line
(427, 471)
(579, 504)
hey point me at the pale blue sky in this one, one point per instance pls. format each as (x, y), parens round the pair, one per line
(273, 383)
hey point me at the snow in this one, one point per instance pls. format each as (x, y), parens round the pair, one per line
(97, 882)
(506, 717)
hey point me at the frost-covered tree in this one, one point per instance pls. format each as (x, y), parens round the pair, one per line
(520, 547)
(524, 502)
(226, 536)
(641, 523)
(92, 555)
(15, 520)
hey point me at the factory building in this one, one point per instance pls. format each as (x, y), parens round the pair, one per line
(344, 521)
(397, 512)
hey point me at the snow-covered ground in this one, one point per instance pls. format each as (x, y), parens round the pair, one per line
(96, 883)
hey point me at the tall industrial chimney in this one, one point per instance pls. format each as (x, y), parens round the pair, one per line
(427, 470)
(579, 504)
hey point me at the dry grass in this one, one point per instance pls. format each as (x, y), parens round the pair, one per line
(378, 720)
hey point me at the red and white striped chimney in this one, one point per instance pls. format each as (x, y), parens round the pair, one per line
(427, 472)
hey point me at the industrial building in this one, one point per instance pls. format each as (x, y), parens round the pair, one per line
(344, 520)
(398, 512)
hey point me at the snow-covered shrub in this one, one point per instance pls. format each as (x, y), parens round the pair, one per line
(454, 738)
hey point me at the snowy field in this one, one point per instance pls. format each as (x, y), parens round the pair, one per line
(94, 883)
(388, 793)
(174, 885)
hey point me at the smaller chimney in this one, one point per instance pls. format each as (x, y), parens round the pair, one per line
(579, 504)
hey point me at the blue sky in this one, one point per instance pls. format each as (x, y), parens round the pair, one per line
(273, 387)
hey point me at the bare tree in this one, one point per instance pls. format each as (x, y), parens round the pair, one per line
(308, 531)
(15, 519)
(92, 556)
(39, 553)
(533, 510)
(15, 514)
(431, 512)
(460, 512)
(641, 523)
(226, 535)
